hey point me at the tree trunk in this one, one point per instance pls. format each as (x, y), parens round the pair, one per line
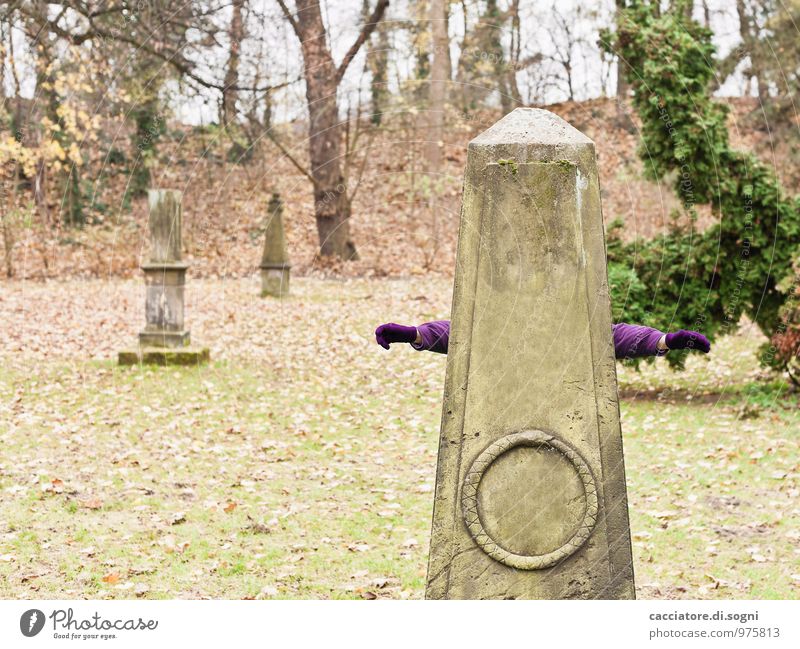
(331, 204)
(748, 30)
(331, 201)
(67, 181)
(622, 82)
(378, 64)
(230, 94)
(420, 37)
(3, 60)
(624, 119)
(514, 54)
(440, 75)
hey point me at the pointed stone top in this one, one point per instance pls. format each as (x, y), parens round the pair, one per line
(530, 126)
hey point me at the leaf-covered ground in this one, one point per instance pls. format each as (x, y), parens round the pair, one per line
(300, 462)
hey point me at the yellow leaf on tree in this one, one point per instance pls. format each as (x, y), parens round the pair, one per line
(75, 154)
(53, 151)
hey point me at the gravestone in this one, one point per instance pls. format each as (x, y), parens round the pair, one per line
(164, 340)
(275, 265)
(530, 488)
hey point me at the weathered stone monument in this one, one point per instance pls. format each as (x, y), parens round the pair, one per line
(530, 488)
(164, 340)
(275, 258)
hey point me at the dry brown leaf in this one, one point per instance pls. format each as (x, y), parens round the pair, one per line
(177, 518)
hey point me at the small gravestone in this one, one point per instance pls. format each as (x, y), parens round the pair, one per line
(164, 340)
(275, 258)
(530, 488)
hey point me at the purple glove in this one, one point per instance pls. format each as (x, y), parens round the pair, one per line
(394, 333)
(684, 339)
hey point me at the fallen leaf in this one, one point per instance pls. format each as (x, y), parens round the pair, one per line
(268, 591)
(258, 528)
(358, 547)
(177, 518)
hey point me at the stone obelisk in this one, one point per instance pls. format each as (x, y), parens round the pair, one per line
(275, 264)
(530, 488)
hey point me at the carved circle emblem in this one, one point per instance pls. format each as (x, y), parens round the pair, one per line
(469, 500)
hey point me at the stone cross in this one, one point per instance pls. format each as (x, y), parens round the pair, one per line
(165, 273)
(530, 486)
(275, 258)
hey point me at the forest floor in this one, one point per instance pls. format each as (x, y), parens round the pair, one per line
(300, 463)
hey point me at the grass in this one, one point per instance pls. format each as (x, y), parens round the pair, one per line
(300, 462)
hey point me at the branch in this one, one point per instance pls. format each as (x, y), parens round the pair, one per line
(291, 158)
(172, 57)
(727, 65)
(366, 32)
(291, 19)
(363, 166)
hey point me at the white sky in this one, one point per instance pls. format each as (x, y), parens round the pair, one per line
(540, 33)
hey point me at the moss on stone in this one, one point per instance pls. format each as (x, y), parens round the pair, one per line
(567, 164)
(155, 356)
(511, 165)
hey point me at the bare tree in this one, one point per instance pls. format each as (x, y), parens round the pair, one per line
(378, 64)
(622, 82)
(564, 45)
(750, 33)
(236, 35)
(482, 67)
(440, 75)
(331, 201)
(623, 118)
(156, 28)
(514, 60)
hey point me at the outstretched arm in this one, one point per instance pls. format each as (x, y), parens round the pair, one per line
(635, 341)
(433, 336)
(630, 341)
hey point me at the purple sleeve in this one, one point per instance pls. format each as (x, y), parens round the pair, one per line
(635, 341)
(435, 336)
(630, 341)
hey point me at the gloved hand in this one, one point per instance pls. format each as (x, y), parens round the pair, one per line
(394, 333)
(684, 339)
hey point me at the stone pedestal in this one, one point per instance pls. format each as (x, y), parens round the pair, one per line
(165, 279)
(163, 307)
(275, 280)
(530, 489)
(164, 356)
(275, 265)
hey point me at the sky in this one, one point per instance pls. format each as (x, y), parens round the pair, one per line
(273, 42)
